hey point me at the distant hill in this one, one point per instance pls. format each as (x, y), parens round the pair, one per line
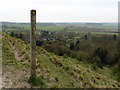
(46, 24)
(15, 23)
(61, 26)
(94, 24)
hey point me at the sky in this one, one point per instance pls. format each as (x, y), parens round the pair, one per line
(60, 10)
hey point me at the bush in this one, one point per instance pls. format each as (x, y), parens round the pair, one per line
(95, 59)
(73, 54)
(116, 69)
(48, 47)
(21, 36)
(65, 55)
(39, 43)
(83, 56)
(110, 59)
(71, 46)
(102, 54)
(60, 50)
(114, 37)
(37, 82)
(12, 34)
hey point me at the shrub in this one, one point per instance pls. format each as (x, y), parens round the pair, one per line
(16, 35)
(37, 82)
(83, 56)
(114, 37)
(71, 46)
(39, 43)
(86, 37)
(12, 34)
(116, 69)
(21, 36)
(73, 54)
(65, 55)
(102, 54)
(95, 59)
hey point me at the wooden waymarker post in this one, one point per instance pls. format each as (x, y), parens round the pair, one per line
(33, 44)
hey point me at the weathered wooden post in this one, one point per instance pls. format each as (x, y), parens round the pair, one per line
(118, 38)
(33, 44)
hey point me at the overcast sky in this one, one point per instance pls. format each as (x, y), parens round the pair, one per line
(60, 10)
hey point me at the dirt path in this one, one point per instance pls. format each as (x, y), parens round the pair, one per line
(16, 54)
(12, 77)
(17, 57)
(0, 65)
(0, 75)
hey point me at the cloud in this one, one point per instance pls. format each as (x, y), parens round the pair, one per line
(59, 10)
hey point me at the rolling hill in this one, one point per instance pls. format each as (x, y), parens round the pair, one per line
(53, 71)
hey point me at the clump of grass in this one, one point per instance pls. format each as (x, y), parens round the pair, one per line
(54, 87)
(38, 81)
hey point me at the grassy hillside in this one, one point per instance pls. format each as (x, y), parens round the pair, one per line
(52, 71)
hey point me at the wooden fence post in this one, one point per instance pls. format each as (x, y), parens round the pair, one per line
(33, 44)
(118, 38)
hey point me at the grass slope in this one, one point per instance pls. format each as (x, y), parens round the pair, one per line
(54, 71)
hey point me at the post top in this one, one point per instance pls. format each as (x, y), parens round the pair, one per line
(33, 11)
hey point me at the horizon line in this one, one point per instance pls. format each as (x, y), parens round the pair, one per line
(62, 22)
